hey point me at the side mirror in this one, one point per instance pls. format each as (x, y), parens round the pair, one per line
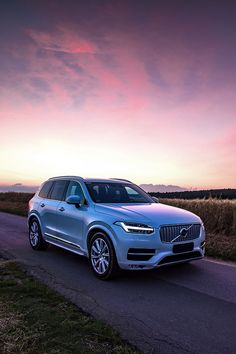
(155, 199)
(74, 199)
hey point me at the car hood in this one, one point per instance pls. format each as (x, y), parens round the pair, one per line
(154, 213)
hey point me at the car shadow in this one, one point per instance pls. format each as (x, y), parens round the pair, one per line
(169, 272)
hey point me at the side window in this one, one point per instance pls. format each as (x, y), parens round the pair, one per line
(58, 190)
(45, 189)
(74, 188)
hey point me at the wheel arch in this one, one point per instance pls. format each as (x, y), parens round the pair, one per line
(100, 228)
(34, 215)
(112, 267)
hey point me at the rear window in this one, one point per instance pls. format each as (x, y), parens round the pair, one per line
(45, 189)
(58, 190)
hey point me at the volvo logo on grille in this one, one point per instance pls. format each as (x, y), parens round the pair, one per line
(183, 233)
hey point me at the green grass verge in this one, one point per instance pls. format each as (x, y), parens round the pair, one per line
(35, 319)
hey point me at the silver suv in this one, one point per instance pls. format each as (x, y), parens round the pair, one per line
(114, 223)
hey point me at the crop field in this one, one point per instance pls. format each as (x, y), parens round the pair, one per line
(219, 217)
(15, 203)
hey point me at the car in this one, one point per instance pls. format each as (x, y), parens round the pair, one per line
(114, 223)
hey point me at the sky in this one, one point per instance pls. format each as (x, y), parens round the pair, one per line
(143, 90)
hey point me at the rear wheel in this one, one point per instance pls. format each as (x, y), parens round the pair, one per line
(102, 257)
(35, 236)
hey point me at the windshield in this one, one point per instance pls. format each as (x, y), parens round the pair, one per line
(103, 192)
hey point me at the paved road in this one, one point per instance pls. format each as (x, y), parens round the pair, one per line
(183, 309)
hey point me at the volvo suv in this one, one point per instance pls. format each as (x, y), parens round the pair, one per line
(114, 223)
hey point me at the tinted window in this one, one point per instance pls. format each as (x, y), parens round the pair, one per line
(45, 189)
(58, 190)
(117, 193)
(74, 188)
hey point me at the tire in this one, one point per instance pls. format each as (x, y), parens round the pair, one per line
(35, 236)
(102, 257)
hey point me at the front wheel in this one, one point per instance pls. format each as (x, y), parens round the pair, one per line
(35, 236)
(102, 257)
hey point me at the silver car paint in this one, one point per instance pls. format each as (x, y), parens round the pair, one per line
(69, 228)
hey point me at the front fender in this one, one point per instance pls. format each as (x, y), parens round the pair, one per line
(104, 227)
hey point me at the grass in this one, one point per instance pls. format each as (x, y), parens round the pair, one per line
(219, 217)
(35, 319)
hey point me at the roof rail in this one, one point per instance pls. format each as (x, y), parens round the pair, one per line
(122, 179)
(66, 176)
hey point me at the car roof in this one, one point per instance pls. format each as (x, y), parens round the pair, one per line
(91, 180)
(106, 180)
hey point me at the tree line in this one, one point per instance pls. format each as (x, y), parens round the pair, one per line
(202, 194)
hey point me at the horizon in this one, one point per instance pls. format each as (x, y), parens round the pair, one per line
(157, 188)
(141, 90)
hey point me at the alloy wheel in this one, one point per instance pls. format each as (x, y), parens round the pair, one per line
(100, 256)
(34, 233)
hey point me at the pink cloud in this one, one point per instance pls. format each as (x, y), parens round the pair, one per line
(62, 40)
(120, 90)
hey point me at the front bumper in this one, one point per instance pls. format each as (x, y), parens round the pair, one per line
(153, 253)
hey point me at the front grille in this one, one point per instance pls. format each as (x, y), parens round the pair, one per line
(140, 254)
(169, 232)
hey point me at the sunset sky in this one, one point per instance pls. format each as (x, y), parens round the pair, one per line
(144, 90)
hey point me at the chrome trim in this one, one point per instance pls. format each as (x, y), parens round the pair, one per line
(141, 254)
(170, 233)
(67, 248)
(62, 240)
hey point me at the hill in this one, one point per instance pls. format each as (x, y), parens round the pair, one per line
(161, 188)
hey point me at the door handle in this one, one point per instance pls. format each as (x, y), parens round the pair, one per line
(61, 209)
(42, 205)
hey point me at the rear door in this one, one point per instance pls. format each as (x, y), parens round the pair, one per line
(44, 204)
(49, 214)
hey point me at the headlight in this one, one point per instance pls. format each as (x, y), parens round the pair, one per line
(135, 228)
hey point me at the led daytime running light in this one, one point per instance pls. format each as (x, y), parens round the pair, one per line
(132, 227)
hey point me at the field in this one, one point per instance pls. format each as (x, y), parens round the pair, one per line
(15, 203)
(219, 217)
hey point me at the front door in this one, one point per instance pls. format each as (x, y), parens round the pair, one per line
(71, 218)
